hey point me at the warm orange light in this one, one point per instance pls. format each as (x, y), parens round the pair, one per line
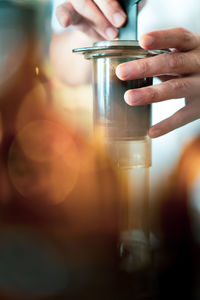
(189, 163)
(35, 106)
(44, 162)
(37, 71)
(1, 130)
(45, 140)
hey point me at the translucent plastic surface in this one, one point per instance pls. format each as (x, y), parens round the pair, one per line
(119, 120)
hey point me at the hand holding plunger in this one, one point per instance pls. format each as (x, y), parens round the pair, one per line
(179, 70)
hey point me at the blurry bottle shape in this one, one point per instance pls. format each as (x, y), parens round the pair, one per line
(21, 69)
(185, 184)
(176, 222)
(65, 250)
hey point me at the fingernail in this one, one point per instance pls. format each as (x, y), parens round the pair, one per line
(111, 33)
(123, 71)
(133, 97)
(147, 41)
(119, 19)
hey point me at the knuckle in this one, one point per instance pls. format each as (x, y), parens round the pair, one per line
(189, 38)
(169, 125)
(152, 95)
(197, 62)
(175, 61)
(178, 119)
(144, 67)
(179, 84)
(187, 35)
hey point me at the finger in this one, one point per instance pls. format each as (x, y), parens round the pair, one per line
(163, 64)
(171, 89)
(63, 13)
(112, 11)
(179, 38)
(67, 15)
(88, 10)
(184, 116)
(85, 27)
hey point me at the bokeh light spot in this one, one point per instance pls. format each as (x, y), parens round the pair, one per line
(44, 163)
(37, 71)
(45, 140)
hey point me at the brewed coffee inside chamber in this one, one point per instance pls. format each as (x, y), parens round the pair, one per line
(119, 120)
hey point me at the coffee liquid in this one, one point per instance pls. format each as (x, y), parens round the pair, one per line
(119, 120)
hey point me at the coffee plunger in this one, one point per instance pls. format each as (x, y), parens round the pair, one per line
(125, 133)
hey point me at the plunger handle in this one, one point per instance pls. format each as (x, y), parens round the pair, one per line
(129, 31)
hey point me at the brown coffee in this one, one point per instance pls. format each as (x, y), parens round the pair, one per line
(120, 120)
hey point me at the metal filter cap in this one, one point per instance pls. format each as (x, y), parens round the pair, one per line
(116, 48)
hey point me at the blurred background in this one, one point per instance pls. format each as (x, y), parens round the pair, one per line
(60, 195)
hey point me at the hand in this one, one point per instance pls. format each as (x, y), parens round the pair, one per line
(179, 71)
(99, 18)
